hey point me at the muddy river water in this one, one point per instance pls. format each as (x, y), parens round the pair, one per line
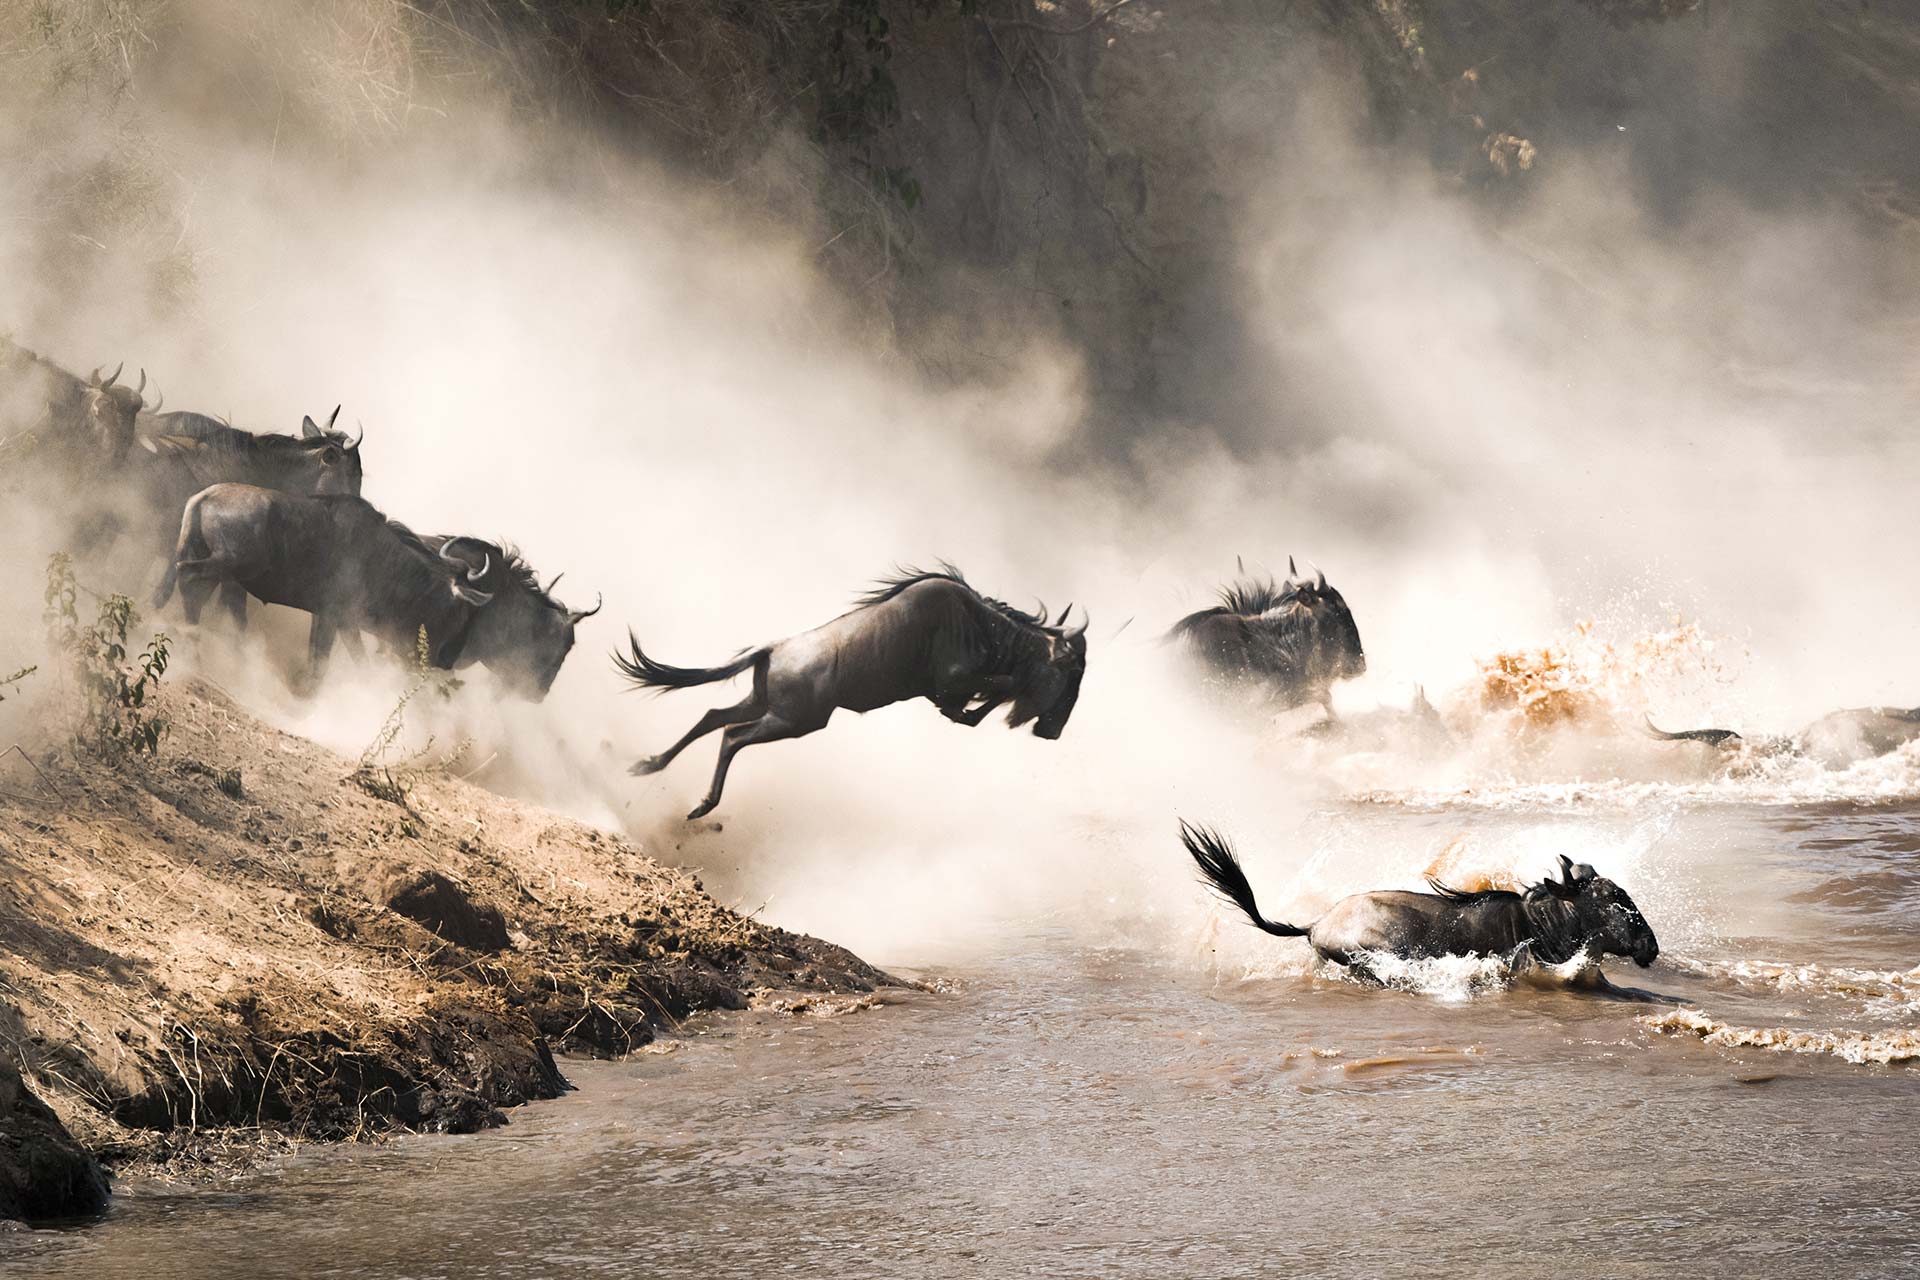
(1145, 1101)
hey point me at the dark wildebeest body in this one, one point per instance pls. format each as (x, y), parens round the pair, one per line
(336, 558)
(1550, 923)
(922, 635)
(1293, 640)
(524, 636)
(1837, 740)
(192, 451)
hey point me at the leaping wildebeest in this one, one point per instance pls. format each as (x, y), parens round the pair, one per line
(335, 557)
(916, 635)
(1550, 923)
(1293, 639)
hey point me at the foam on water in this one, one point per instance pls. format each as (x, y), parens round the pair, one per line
(1893, 1044)
(1885, 991)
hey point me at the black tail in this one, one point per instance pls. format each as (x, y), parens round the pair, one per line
(1223, 874)
(648, 674)
(1712, 737)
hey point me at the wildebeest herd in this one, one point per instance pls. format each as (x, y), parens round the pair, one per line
(279, 518)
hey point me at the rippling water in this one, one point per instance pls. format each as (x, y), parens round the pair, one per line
(1202, 1101)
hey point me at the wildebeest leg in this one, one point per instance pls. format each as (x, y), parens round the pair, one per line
(196, 585)
(319, 647)
(769, 728)
(234, 597)
(743, 712)
(979, 713)
(993, 690)
(356, 646)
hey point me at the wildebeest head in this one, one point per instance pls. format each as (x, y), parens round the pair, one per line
(1602, 913)
(524, 636)
(331, 461)
(1050, 684)
(1333, 636)
(110, 409)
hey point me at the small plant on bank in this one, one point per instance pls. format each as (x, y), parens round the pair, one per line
(394, 782)
(9, 682)
(116, 694)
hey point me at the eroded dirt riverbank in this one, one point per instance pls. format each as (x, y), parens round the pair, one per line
(238, 942)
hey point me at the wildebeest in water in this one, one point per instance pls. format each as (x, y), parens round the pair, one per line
(1550, 923)
(1293, 639)
(1837, 740)
(918, 635)
(337, 558)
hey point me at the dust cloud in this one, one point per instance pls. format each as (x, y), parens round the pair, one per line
(1487, 424)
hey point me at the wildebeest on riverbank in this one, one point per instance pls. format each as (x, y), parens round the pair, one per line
(1550, 923)
(85, 424)
(524, 636)
(917, 635)
(191, 451)
(64, 435)
(1292, 640)
(335, 557)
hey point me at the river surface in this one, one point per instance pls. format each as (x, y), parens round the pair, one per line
(1180, 1096)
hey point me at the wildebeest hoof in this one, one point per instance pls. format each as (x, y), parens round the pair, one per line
(641, 768)
(702, 810)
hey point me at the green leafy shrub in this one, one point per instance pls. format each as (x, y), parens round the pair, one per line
(116, 691)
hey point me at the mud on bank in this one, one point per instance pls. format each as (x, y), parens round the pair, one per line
(238, 941)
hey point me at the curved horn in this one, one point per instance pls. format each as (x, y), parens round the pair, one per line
(1086, 620)
(159, 399)
(473, 575)
(362, 436)
(1566, 869)
(1292, 572)
(548, 589)
(143, 382)
(579, 615)
(1319, 578)
(333, 417)
(115, 375)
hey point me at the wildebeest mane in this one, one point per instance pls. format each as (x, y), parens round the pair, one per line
(903, 577)
(515, 566)
(1467, 897)
(220, 436)
(1548, 886)
(1249, 598)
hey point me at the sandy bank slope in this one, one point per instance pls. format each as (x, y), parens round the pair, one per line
(184, 949)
